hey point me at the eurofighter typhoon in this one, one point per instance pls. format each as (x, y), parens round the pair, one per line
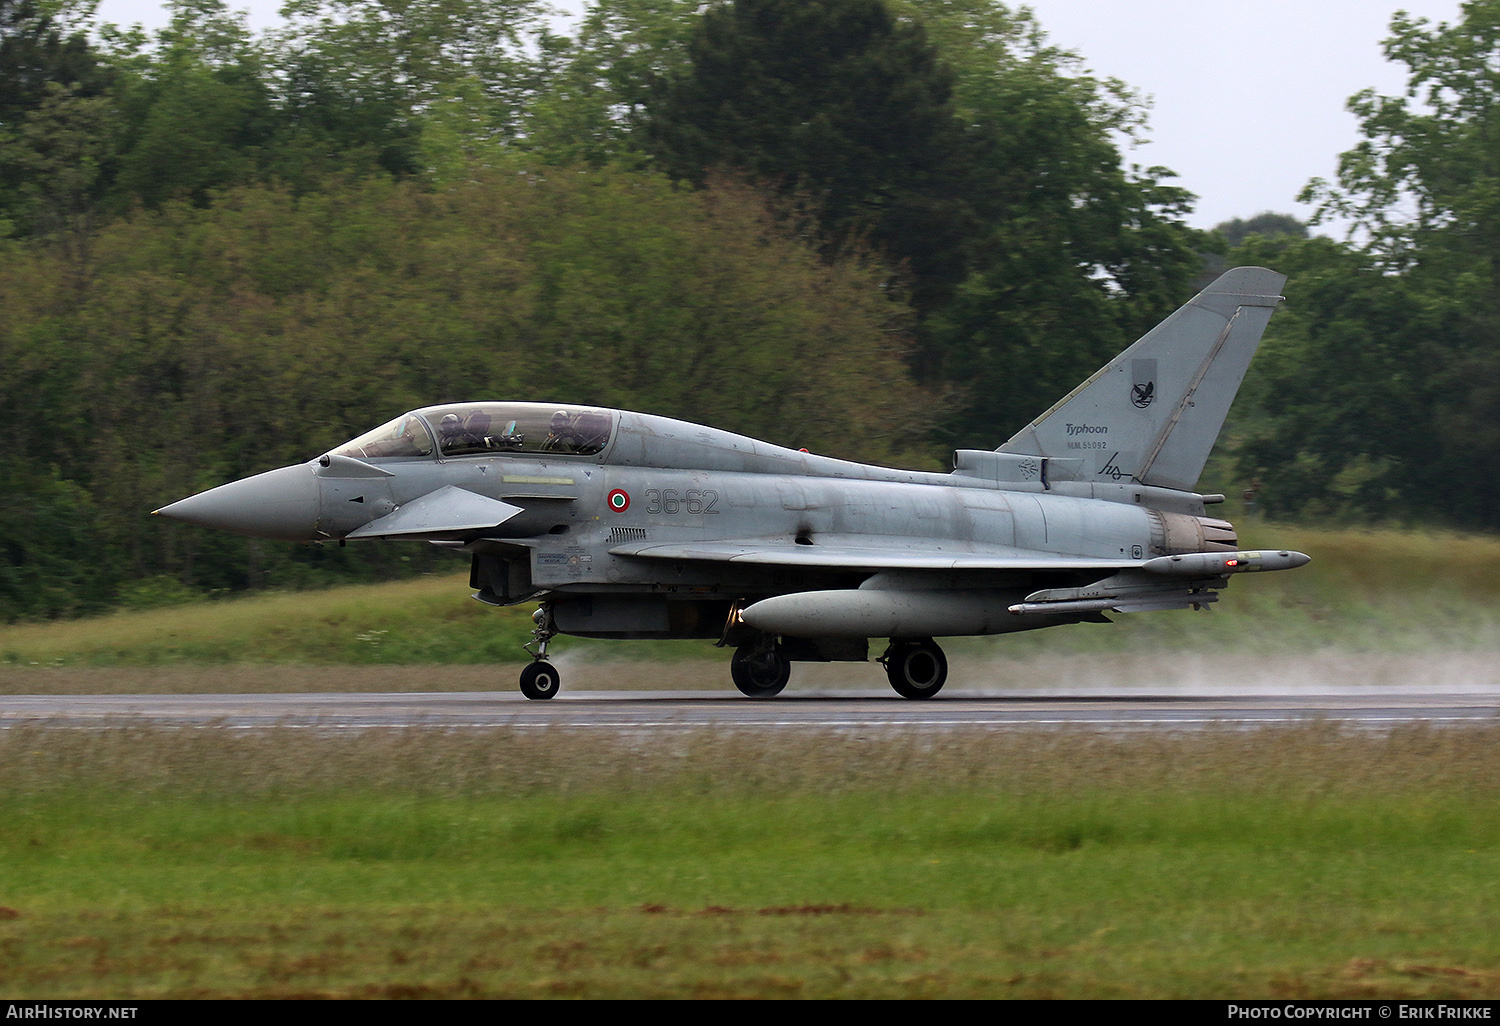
(627, 525)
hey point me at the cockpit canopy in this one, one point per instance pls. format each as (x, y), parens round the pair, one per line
(467, 429)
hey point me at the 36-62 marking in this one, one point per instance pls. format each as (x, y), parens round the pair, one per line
(693, 501)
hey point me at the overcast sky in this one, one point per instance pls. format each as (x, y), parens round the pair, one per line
(1248, 97)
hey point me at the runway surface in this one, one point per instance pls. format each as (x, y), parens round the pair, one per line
(1177, 707)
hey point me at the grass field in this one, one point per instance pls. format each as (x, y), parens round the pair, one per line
(140, 861)
(1305, 862)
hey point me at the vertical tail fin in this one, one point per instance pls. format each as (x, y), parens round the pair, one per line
(1152, 413)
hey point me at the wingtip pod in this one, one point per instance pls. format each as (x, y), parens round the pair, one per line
(1152, 414)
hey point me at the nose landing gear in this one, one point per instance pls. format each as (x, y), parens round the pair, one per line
(540, 680)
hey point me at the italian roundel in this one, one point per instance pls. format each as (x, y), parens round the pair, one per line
(619, 500)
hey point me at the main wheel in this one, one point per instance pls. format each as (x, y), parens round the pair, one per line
(759, 669)
(917, 669)
(540, 680)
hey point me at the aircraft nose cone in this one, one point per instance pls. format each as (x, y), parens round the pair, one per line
(280, 504)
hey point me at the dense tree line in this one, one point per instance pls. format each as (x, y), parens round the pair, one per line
(208, 343)
(877, 228)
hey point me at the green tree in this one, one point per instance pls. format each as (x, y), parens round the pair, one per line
(1078, 253)
(35, 49)
(51, 80)
(50, 550)
(377, 72)
(1234, 232)
(265, 327)
(1382, 391)
(334, 124)
(59, 154)
(597, 97)
(197, 113)
(1267, 223)
(840, 103)
(1336, 411)
(1422, 180)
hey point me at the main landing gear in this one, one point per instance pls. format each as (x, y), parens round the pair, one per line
(916, 669)
(540, 679)
(759, 668)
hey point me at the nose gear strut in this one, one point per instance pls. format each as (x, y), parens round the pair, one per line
(540, 679)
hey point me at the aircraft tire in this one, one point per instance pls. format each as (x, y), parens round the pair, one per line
(760, 671)
(916, 669)
(540, 680)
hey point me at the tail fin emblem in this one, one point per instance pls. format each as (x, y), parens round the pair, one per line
(1143, 391)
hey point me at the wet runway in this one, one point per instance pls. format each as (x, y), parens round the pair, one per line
(1175, 707)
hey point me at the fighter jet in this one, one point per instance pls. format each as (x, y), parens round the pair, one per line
(629, 525)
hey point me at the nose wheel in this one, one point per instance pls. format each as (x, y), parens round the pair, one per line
(916, 669)
(540, 680)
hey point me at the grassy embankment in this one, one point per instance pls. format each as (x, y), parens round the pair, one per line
(1364, 591)
(1302, 862)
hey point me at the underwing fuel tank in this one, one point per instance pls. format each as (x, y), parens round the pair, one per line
(887, 614)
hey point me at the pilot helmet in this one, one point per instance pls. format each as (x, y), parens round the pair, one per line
(450, 424)
(560, 420)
